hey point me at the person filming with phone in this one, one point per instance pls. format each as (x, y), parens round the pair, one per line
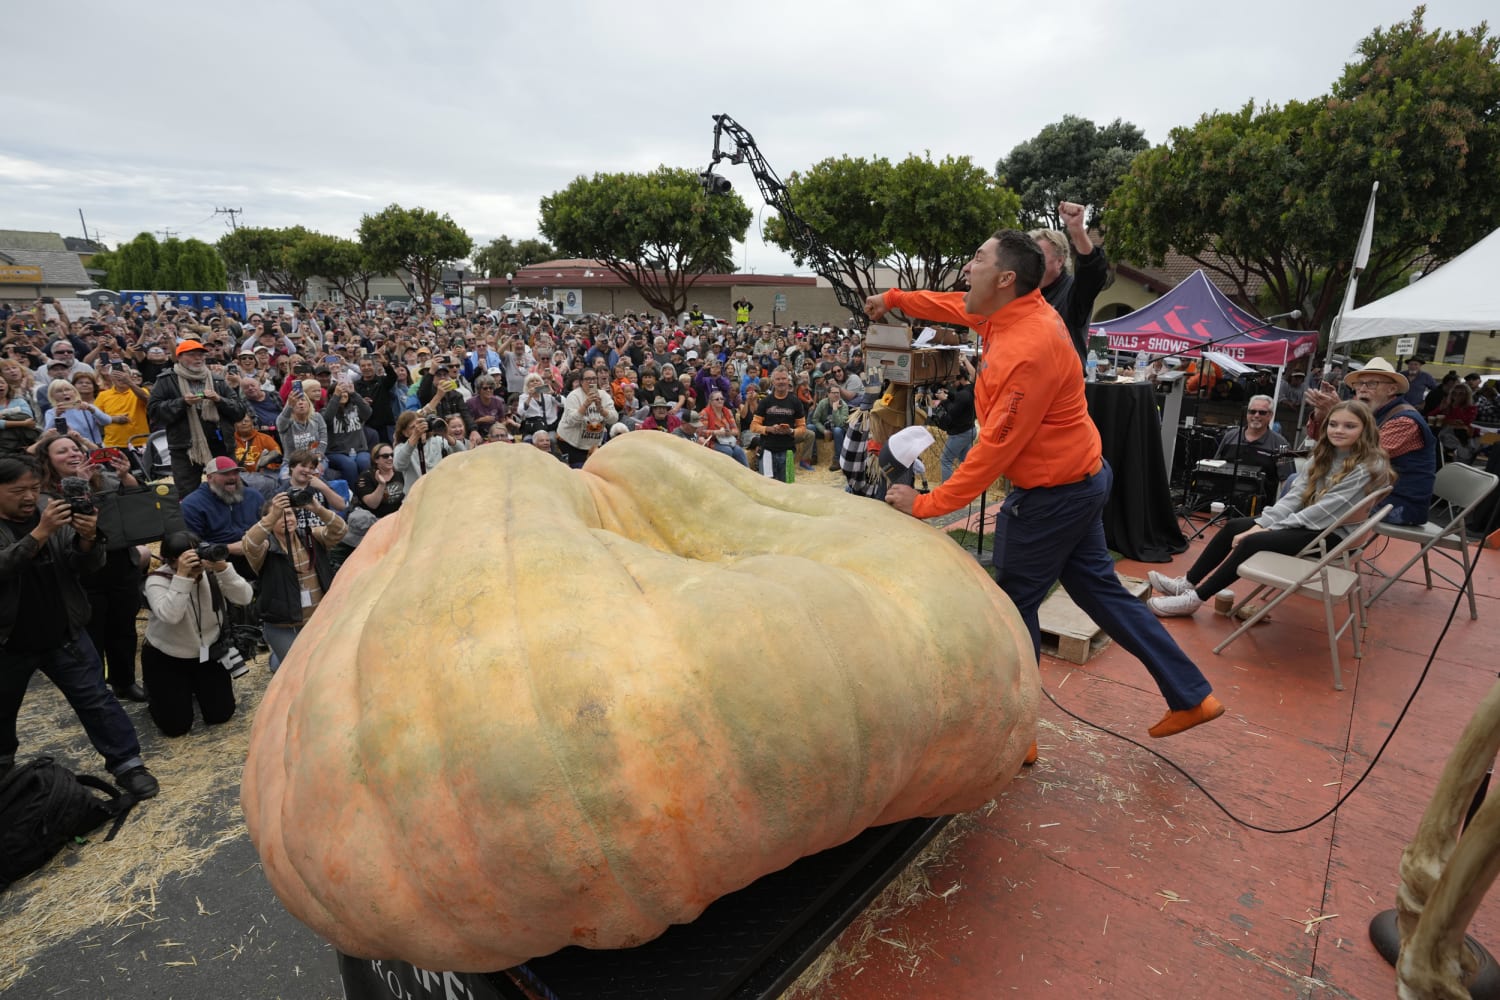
(198, 413)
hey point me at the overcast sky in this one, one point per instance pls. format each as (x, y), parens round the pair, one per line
(150, 116)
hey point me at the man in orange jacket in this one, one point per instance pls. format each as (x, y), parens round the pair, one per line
(1034, 427)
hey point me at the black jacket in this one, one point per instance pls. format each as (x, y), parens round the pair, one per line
(1073, 295)
(66, 560)
(167, 410)
(377, 392)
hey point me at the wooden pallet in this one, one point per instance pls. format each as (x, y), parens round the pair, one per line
(1068, 633)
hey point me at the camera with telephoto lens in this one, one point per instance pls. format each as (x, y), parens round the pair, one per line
(301, 497)
(436, 425)
(75, 493)
(211, 552)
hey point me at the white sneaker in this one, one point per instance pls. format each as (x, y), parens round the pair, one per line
(1176, 605)
(1169, 585)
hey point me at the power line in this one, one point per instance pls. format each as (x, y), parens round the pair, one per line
(231, 212)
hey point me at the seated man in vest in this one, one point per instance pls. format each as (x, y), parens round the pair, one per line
(1404, 434)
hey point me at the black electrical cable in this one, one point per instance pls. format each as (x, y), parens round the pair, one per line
(1395, 727)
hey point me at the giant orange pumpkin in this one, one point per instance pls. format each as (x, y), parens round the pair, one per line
(543, 707)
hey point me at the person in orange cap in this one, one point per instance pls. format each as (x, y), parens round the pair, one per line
(198, 412)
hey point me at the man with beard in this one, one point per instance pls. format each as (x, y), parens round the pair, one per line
(225, 510)
(198, 413)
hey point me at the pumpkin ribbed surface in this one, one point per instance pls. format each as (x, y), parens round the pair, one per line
(542, 707)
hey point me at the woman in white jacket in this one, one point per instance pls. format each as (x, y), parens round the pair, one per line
(186, 601)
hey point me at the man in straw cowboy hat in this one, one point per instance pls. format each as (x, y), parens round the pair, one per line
(1404, 434)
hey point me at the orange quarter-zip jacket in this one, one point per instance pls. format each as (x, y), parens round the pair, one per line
(1034, 424)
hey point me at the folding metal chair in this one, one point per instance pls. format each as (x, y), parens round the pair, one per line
(1321, 578)
(1458, 488)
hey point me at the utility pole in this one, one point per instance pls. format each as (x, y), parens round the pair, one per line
(231, 212)
(166, 234)
(83, 223)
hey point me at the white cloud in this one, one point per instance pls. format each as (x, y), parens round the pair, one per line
(151, 117)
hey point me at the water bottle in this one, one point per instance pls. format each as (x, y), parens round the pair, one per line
(1142, 360)
(1091, 367)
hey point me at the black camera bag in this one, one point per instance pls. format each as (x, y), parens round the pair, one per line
(135, 515)
(44, 806)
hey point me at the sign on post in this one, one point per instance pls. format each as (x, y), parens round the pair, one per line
(1406, 346)
(779, 304)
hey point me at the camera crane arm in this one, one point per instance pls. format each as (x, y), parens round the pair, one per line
(806, 241)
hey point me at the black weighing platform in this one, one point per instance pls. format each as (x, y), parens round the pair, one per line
(750, 945)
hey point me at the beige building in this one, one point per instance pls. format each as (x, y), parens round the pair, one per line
(38, 265)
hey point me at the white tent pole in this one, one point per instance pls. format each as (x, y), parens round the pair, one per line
(1361, 260)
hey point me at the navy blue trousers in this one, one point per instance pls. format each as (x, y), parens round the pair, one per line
(75, 668)
(1056, 533)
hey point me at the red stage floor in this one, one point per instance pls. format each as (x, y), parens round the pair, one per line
(1104, 872)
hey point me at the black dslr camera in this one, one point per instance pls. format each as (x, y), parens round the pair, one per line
(212, 551)
(75, 493)
(302, 497)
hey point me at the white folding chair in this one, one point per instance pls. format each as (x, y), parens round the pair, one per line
(1456, 489)
(1321, 578)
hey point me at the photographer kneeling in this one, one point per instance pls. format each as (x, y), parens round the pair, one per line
(184, 657)
(288, 550)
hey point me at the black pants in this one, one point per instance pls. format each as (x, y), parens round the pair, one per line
(1220, 560)
(174, 682)
(115, 598)
(187, 475)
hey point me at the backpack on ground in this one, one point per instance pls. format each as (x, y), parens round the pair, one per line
(44, 807)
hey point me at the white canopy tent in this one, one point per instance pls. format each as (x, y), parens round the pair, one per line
(1460, 295)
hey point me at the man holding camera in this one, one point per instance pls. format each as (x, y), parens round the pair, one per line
(44, 551)
(198, 413)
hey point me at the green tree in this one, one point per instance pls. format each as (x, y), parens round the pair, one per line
(935, 214)
(842, 201)
(342, 261)
(1278, 194)
(202, 268)
(415, 239)
(265, 254)
(921, 218)
(139, 260)
(171, 265)
(658, 232)
(1069, 160)
(501, 256)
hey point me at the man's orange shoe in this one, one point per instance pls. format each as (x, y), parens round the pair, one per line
(1030, 755)
(1184, 719)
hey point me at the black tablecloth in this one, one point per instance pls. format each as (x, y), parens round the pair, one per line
(1139, 520)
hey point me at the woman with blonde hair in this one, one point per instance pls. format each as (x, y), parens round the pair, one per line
(18, 412)
(70, 412)
(1347, 465)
